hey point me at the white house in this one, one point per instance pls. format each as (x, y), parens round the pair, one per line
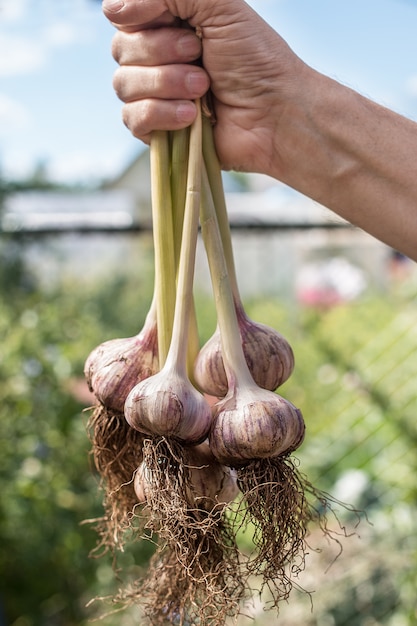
(280, 237)
(277, 233)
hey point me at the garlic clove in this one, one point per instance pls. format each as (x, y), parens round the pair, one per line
(254, 424)
(209, 373)
(141, 483)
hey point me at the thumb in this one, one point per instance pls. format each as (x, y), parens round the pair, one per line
(153, 13)
(137, 13)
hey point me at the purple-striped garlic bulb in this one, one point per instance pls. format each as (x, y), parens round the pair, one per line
(268, 355)
(113, 368)
(253, 423)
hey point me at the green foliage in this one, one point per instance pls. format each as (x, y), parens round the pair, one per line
(47, 483)
(355, 382)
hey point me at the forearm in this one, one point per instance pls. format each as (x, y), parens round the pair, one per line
(353, 156)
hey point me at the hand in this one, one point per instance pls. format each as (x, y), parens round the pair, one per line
(251, 72)
(275, 115)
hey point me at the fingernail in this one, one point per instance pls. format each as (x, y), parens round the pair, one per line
(196, 82)
(189, 45)
(186, 112)
(113, 6)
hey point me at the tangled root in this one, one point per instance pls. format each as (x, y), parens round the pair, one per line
(277, 505)
(170, 594)
(195, 576)
(117, 451)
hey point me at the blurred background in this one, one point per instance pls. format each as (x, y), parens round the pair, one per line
(76, 269)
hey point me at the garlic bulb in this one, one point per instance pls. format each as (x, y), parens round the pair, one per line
(268, 355)
(211, 485)
(209, 372)
(116, 366)
(252, 423)
(168, 405)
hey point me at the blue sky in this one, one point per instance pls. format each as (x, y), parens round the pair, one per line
(57, 103)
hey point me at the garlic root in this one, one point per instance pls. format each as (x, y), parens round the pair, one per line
(117, 451)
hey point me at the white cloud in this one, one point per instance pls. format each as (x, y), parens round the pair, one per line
(23, 55)
(20, 55)
(13, 116)
(24, 49)
(411, 85)
(12, 11)
(59, 34)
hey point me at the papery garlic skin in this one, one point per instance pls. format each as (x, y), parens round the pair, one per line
(253, 424)
(209, 372)
(211, 482)
(211, 485)
(268, 354)
(116, 366)
(168, 405)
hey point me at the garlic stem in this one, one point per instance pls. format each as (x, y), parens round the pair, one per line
(179, 166)
(184, 300)
(216, 185)
(163, 240)
(180, 147)
(234, 359)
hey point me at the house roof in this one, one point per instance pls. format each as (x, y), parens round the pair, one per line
(257, 199)
(126, 200)
(45, 209)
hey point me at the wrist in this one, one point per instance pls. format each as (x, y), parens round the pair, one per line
(301, 116)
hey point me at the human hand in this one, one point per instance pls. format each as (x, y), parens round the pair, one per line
(251, 72)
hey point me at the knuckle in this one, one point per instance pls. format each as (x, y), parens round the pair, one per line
(144, 116)
(126, 117)
(119, 83)
(146, 113)
(131, 121)
(137, 118)
(157, 77)
(116, 48)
